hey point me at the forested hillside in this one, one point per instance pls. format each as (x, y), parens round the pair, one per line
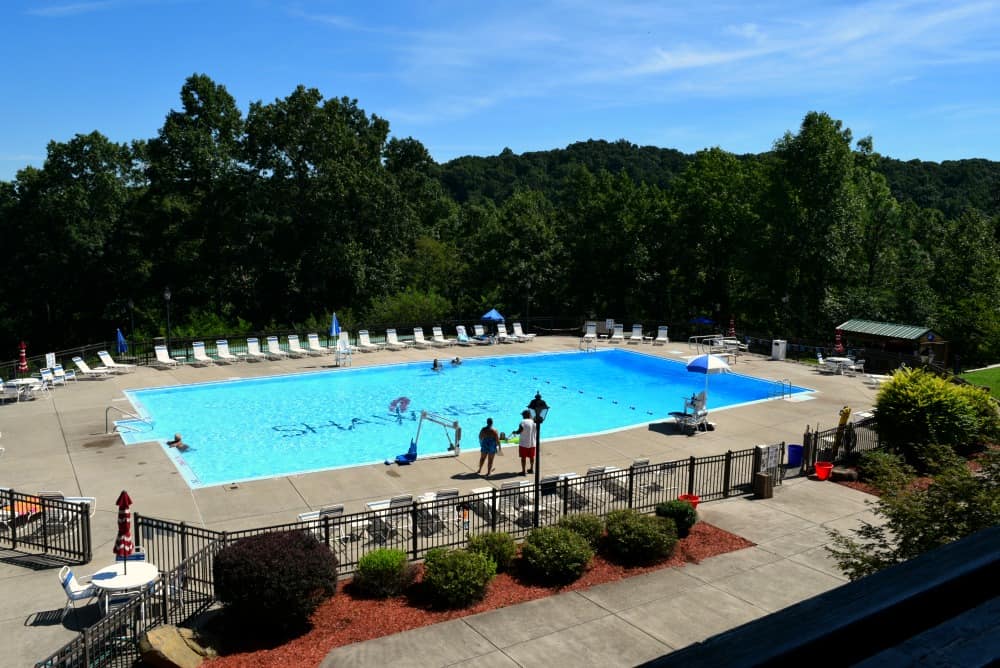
(305, 204)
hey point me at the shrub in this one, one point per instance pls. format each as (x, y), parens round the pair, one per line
(555, 555)
(272, 582)
(589, 527)
(383, 573)
(500, 547)
(681, 512)
(987, 411)
(889, 472)
(639, 539)
(917, 409)
(457, 578)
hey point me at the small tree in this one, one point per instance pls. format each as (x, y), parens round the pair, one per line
(956, 504)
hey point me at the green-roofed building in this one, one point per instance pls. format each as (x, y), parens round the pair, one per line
(893, 338)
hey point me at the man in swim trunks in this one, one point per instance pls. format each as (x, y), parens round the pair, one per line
(489, 441)
(178, 443)
(526, 447)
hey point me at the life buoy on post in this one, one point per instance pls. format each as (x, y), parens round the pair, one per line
(399, 405)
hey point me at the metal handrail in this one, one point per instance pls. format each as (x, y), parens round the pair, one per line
(124, 412)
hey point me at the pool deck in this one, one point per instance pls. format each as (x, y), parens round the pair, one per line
(59, 442)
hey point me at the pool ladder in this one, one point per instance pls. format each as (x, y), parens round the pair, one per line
(128, 414)
(783, 388)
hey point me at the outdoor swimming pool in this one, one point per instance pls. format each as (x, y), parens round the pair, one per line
(263, 427)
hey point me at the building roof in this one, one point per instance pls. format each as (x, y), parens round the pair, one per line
(884, 329)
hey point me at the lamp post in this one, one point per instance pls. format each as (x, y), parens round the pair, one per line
(131, 321)
(539, 410)
(166, 297)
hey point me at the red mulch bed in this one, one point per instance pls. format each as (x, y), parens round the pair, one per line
(343, 619)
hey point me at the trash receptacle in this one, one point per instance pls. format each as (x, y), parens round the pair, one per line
(778, 349)
(794, 455)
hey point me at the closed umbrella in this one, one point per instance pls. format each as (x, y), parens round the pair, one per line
(124, 546)
(334, 326)
(707, 364)
(22, 358)
(732, 326)
(838, 344)
(122, 346)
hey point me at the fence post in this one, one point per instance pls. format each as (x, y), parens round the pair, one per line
(691, 465)
(727, 473)
(184, 554)
(631, 485)
(413, 532)
(493, 509)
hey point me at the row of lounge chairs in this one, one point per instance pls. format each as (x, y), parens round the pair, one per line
(618, 335)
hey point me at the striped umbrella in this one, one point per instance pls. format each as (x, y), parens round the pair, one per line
(22, 358)
(123, 543)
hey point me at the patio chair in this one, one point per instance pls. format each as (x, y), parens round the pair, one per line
(661, 336)
(314, 346)
(618, 334)
(109, 362)
(519, 333)
(254, 353)
(344, 352)
(418, 338)
(201, 358)
(393, 342)
(344, 342)
(295, 348)
(502, 335)
(364, 342)
(138, 554)
(438, 339)
(76, 590)
(694, 417)
(88, 372)
(636, 336)
(463, 338)
(589, 339)
(65, 374)
(163, 358)
(222, 352)
(274, 351)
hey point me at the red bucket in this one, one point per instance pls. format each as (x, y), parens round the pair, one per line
(693, 499)
(823, 470)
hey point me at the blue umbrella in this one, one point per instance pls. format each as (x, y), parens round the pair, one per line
(122, 344)
(493, 316)
(334, 326)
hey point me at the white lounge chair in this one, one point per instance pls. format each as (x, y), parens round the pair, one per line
(91, 372)
(110, 363)
(589, 339)
(519, 333)
(344, 342)
(66, 374)
(393, 342)
(314, 346)
(662, 336)
(223, 354)
(636, 336)
(274, 351)
(502, 335)
(163, 358)
(364, 342)
(481, 335)
(295, 348)
(618, 334)
(438, 339)
(463, 336)
(418, 338)
(201, 357)
(254, 353)
(345, 351)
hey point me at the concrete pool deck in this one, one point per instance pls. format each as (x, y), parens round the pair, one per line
(59, 442)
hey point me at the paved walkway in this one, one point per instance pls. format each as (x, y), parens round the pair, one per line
(59, 442)
(628, 622)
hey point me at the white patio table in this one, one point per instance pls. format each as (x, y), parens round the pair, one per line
(115, 579)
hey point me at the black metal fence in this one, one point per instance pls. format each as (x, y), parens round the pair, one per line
(839, 443)
(50, 526)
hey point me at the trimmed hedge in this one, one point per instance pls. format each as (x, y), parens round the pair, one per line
(457, 578)
(272, 582)
(499, 546)
(383, 573)
(681, 512)
(554, 555)
(638, 539)
(590, 527)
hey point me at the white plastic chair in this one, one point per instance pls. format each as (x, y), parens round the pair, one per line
(76, 590)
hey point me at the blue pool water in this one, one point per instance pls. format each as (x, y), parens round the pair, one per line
(256, 428)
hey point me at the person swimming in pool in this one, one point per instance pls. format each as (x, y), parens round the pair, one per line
(436, 366)
(178, 443)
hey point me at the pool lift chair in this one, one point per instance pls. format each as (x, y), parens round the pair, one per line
(694, 417)
(448, 424)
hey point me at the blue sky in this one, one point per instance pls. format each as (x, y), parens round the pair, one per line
(475, 77)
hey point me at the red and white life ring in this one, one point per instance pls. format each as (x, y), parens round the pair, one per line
(399, 405)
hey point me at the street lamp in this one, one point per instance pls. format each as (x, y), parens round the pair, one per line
(131, 321)
(166, 297)
(539, 410)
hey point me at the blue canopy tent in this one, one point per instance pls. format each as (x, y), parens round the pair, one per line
(492, 317)
(702, 320)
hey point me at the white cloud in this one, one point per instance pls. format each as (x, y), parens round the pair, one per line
(58, 11)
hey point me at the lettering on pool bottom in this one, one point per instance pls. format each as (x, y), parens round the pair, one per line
(305, 428)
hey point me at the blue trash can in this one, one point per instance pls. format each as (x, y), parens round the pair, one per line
(794, 455)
